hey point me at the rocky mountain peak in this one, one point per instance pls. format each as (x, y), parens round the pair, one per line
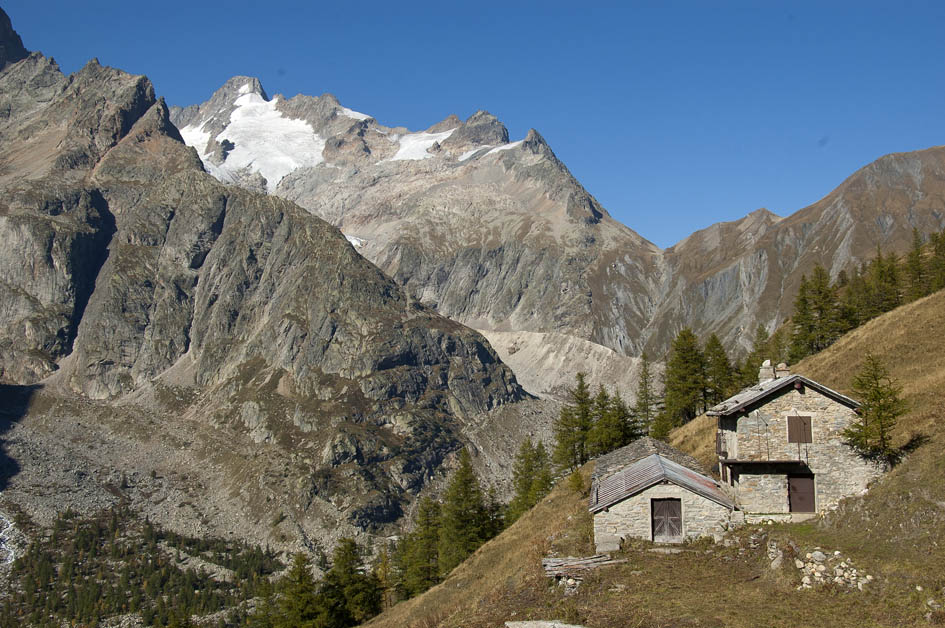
(449, 122)
(11, 46)
(480, 129)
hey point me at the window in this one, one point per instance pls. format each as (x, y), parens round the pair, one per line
(798, 429)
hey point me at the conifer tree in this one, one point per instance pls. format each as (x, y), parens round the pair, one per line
(609, 428)
(885, 284)
(937, 261)
(645, 407)
(572, 427)
(463, 517)
(298, 596)
(803, 323)
(684, 381)
(719, 374)
(916, 270)
(882, 405)
(417, 555)
(347, 597)
(748, 372)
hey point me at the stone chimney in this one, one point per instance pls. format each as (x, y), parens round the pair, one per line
(766, 372)
(781, 370)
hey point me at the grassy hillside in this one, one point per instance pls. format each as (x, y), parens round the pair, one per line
(895, 533)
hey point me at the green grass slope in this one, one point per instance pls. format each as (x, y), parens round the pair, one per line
(895, 533)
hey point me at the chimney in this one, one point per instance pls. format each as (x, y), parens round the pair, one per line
(781, 370)
(766, 372)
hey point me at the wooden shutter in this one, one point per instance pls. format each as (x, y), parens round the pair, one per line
(799, 429)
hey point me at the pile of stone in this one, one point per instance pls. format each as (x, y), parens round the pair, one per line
(819, 568)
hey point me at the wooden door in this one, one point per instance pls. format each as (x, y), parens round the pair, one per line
(667, 519)
(801, 493)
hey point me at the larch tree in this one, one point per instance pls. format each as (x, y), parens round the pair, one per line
(463, 517)
(684, 380)
(645, 406)
(572, 427)
(882, 405)
(719, 374)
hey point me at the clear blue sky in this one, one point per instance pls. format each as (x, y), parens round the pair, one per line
(674, 115)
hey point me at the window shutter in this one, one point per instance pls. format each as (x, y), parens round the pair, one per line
(799, 429)
(806, 431)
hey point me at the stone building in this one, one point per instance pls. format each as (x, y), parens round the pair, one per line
(781, 449)
(649, 490)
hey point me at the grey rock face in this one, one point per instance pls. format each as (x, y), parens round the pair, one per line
(501, 237)
(128, 269)
(11, 46)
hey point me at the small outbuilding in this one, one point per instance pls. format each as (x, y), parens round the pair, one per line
(650, 490)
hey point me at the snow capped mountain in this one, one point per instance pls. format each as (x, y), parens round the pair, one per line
(498, 235)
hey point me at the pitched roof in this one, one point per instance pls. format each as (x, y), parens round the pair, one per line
(753, 394)
(637, 450)
(647, 472)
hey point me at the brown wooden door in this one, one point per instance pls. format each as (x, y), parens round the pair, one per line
(801, 493)
(667, 519)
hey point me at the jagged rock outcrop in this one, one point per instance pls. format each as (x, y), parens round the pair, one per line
(501, 237)
(133, 281)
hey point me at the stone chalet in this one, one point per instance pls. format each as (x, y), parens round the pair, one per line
(781, 449)
(650, 490)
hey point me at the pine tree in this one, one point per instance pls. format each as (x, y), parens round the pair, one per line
(609, 428)
(916, 270)
(684, 380)
(645, 407)
(937, 261)
(884, 283)
(463, 517)
(803, 323)
(572, 427)
(298, 596)
(719, 374)
(417, 555)
(748, 372)
(384, 571)
(347, 597)
(882, 405)
(523, 471)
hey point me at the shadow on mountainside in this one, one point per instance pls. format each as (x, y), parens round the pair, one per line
(14, 403)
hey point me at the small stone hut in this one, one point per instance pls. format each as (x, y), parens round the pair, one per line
(781, 449)
(649, 490)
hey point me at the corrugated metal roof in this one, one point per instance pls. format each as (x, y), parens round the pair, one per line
(756, 393)
(650, 471)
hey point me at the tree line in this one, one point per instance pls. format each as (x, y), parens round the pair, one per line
(824, 310)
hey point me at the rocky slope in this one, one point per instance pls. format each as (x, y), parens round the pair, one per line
(224, 336)
(500, 236)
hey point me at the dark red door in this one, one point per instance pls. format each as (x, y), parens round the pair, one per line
(801, 493)
(667, 519)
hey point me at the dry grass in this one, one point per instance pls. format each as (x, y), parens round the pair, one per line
(896, 532)
(697, 438)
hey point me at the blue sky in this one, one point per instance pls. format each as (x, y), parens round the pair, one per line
(675, 115)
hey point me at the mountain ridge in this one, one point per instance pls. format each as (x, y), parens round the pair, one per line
(480, 234)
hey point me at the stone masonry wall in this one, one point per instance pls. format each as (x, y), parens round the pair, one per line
(631, 518)
(763, 491)
(762, 434)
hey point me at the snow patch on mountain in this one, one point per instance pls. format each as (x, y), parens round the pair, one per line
(355, 241)
(505, 147)
(414, 146)
(357, 115)
(264, 141)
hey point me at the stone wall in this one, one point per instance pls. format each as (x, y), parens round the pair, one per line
(762, 434)
(763, 489)
(631, 517)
